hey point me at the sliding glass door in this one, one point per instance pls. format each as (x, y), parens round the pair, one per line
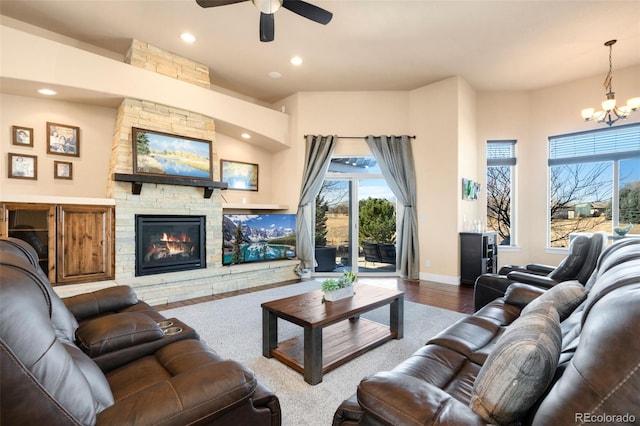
(355, 219)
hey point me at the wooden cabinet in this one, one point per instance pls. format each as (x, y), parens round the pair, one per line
(478, 255)
(84, 243)
(75, 243)
(35, 224)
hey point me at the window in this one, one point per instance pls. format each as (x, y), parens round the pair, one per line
(354, 207)
(594, 182)
(501, 161)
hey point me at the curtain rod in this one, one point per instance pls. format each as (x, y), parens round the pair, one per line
(358, 137)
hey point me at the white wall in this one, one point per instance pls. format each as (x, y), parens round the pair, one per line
(434, 120)
(90, 169)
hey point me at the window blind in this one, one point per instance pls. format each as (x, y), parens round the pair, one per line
(501, 153)
(614, 143)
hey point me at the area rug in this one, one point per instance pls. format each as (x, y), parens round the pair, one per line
(233, 328)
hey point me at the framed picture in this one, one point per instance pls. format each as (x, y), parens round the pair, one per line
(164, 154)
(62, 170)
(63, 139)
(23, 166)
(22, 136)
(242, 176)
(470, 189)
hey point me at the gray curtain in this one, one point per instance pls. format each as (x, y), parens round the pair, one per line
(317, 159)
(395, 156)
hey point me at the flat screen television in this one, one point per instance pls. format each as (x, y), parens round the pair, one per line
(258, 237)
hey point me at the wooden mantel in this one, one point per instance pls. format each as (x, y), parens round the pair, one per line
(138, 180)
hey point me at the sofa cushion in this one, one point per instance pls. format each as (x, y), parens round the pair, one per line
(565, 296)
(520, 367)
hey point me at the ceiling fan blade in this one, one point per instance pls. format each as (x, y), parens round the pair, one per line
(267, 27)
(214, 3)
(308, 11)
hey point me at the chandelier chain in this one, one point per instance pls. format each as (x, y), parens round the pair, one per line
(608, 79)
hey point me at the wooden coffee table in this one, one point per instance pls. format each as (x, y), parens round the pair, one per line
(334, 333)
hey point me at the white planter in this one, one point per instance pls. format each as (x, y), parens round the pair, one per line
(341, 293)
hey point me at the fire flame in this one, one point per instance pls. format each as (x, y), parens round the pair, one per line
(175, 242)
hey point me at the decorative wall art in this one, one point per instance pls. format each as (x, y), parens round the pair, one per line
(242, 176)
(470, 189)
(23, 166)
(63, 139)
(62, 170)
(22, 136)
(164, 154)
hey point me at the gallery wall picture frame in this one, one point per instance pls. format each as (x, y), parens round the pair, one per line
(22, 136)
(63, 170)
(165, 154)
(63, 139)
(21, 166)
(239, 175)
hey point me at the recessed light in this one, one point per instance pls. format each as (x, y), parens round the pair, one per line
(296, 60)
(275, 74)
(246, 136)
(47, 92)
(188, 38)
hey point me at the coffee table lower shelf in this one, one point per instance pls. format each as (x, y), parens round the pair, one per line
(341, 343)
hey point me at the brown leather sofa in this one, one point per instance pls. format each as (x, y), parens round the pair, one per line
(117, 361)
(592, 375)
(579, 264)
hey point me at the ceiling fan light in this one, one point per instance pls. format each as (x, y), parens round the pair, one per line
(267, 6)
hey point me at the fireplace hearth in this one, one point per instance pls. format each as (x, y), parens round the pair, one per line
(169, 243)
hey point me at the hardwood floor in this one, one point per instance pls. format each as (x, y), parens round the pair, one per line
(446, 296)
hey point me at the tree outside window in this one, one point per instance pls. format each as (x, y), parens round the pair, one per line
(501, 162)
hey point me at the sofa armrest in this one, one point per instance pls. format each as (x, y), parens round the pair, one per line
(533, 279)
(111, 299)
(394, 398)
(117, 331)
(520, 295)
(196, 395)
(539, 268)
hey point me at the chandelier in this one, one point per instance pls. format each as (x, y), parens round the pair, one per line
(610, 112)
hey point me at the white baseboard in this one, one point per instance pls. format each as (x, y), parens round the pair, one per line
(444, 279)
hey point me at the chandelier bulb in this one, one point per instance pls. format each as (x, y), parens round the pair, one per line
(633, 104)
(587, 113)
(609, 104)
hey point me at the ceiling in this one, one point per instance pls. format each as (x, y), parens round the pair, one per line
(370, 45)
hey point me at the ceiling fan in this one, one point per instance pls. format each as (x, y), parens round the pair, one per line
(269, 7)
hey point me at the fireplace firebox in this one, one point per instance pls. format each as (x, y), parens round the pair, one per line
(168, 243)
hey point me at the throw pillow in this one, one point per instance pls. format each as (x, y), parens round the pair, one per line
(565, 296)
(520, 368)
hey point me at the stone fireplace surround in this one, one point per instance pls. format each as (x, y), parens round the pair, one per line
(159, 199)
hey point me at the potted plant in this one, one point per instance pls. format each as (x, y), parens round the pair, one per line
(340, 288)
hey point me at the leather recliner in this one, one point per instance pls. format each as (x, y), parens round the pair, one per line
(578, 265)
(49, 376)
